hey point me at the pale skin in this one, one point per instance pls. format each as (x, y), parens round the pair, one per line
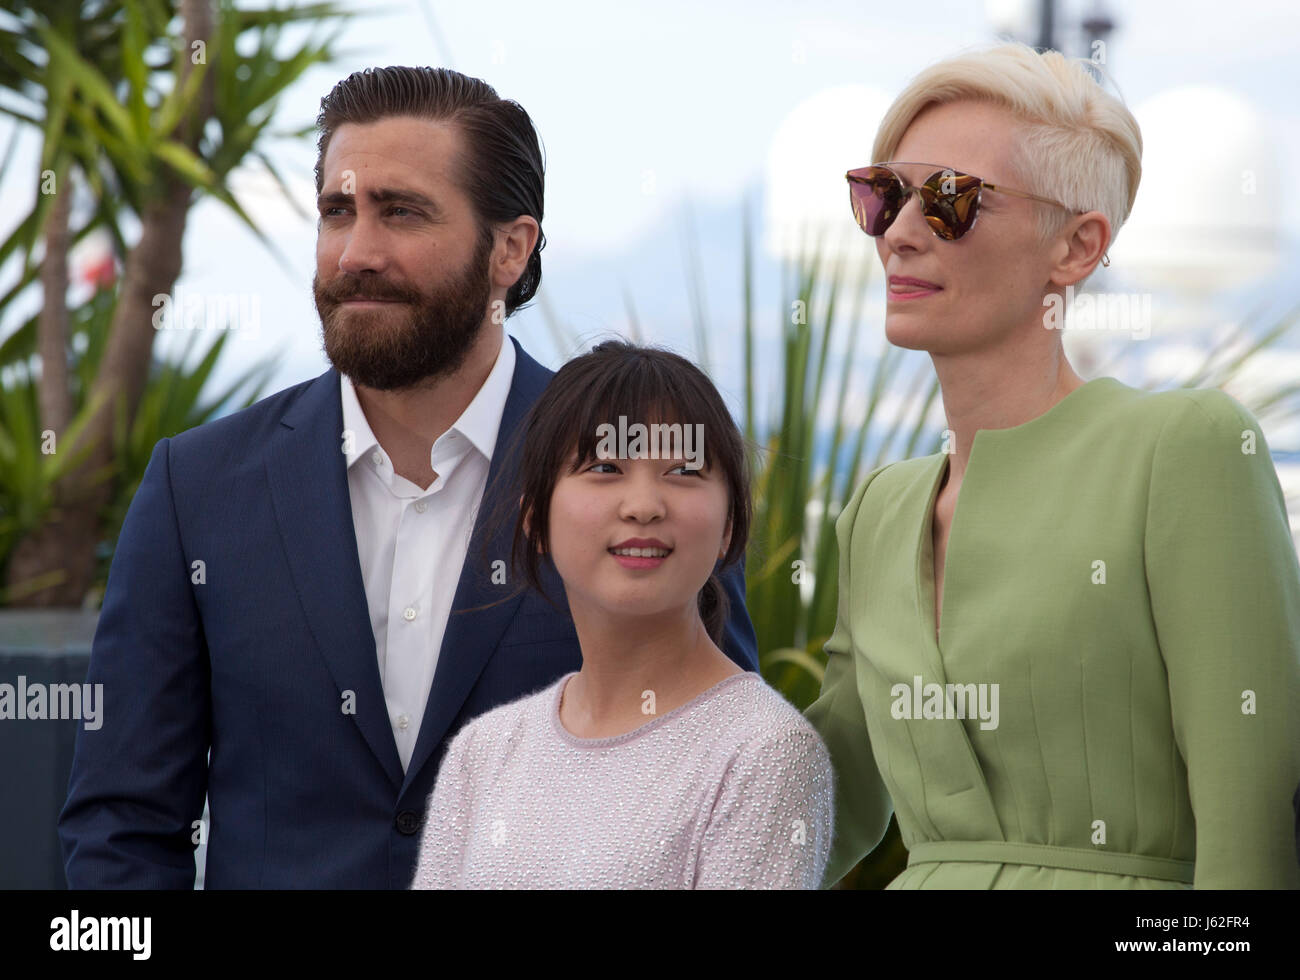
(639, 628)
(425, 234)
(998, 366)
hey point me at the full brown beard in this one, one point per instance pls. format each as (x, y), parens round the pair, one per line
(401, 346)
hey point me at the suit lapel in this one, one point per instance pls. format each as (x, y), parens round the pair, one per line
(307, 472)
(473, 632)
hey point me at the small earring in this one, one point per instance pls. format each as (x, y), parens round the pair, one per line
(1105, 260)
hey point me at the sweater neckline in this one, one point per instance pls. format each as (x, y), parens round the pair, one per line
(609, 740)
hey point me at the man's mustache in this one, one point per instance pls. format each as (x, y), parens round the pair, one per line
(348, 287)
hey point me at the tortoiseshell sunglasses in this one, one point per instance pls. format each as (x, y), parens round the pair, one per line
(950, 200)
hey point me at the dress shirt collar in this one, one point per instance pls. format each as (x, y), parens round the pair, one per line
(479, 423)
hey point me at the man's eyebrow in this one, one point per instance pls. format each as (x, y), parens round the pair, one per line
(381, 195)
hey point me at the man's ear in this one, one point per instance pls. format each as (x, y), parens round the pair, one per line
(515, 241)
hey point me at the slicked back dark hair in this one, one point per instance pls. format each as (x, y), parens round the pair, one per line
(501, 170)
(642, 384)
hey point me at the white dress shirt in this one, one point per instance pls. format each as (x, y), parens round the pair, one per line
(412, 542)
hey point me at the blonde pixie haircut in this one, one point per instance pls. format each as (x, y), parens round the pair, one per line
(1078, 145)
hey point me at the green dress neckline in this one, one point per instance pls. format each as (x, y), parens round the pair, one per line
(1045, 427)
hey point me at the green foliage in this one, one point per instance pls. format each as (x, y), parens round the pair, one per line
(114, 92)
(792, 573)
(172, 402)
(121, 104)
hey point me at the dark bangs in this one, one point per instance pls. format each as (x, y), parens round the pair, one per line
(636, 390)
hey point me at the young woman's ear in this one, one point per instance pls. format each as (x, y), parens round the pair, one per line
(525, 518)
(726, 541)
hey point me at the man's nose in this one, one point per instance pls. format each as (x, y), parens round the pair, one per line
(364, 251)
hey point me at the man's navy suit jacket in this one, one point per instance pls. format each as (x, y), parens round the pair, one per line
(231, 678)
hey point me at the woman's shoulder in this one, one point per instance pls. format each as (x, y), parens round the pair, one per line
(1176, 421)
(1157, 408)
(759, 719)
(898, 480)
(1201, 409)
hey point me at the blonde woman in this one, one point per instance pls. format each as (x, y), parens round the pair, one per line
(1067, 648)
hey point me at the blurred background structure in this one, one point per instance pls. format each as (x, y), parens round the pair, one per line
(695, 199)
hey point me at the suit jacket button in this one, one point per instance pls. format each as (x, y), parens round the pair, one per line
(408, 822)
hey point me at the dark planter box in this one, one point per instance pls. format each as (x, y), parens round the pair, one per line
(45, 647)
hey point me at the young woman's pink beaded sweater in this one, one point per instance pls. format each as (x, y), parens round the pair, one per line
(733, 789)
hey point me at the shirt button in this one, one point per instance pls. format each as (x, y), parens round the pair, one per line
(421, 506)
(376, 458)
(402, 722)
(408, 614)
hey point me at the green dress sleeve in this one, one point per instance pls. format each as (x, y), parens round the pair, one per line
(862, 804)
(1224, 583)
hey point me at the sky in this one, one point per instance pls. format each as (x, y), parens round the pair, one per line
(663, 121)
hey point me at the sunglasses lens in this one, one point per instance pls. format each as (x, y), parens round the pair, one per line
(951, 203)
(874, 193)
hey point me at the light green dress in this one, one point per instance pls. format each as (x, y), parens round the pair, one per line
(1122, 569)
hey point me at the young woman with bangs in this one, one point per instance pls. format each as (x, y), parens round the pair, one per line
(659, 764)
